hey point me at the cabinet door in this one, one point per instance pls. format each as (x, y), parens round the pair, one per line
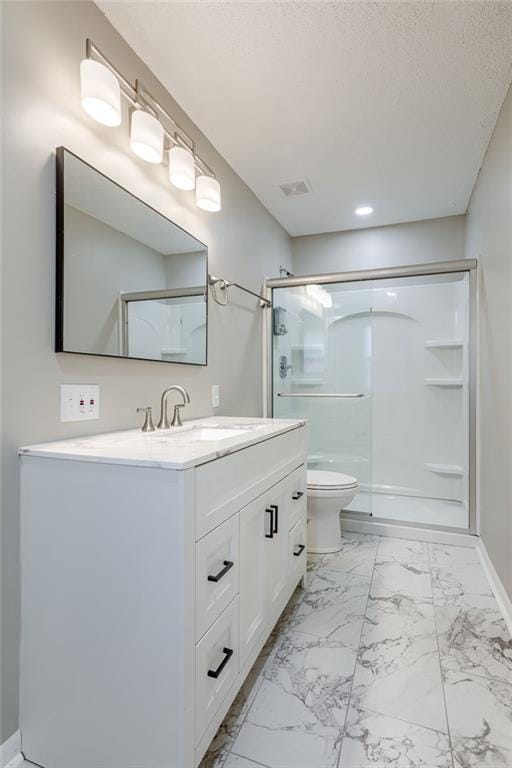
(277, 550)
(254, 524)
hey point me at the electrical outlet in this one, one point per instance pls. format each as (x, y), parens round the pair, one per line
(215, 395)
(79, 402)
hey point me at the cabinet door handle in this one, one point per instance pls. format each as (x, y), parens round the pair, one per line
(271, 513)
(216, 672)
(218, 576)
(300, 550)
(298, 495)
(276, 518)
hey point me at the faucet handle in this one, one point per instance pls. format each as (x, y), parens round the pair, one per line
(176, 417)
(148, 425)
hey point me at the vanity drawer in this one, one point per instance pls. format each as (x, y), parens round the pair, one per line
(217, 573)
(217, 661)
(297, 495)
(297, 543)
(226, 485)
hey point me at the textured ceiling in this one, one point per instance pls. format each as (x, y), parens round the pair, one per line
(390, 104)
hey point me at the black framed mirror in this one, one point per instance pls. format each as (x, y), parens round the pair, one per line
(130, 282)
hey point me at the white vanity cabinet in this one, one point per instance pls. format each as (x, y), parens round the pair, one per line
(153, 571)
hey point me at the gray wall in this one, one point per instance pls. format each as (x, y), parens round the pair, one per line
(391, 246)
(42, 45)
(489, 237)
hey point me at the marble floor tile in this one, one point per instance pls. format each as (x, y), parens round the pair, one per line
(316, 671)
(357, 555)
(380, 741)
(398, 671)
(451, 583)
(333, 606)
(402, 550)
(474, 638)
(395, 580)
(446, 556)
(228, 731)
(282, 731)
(480, 717)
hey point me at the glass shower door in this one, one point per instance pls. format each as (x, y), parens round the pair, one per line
(322, 372)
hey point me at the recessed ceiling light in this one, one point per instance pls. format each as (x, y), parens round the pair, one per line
(364, 210)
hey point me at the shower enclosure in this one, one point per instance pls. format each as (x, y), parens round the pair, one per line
(381, 364)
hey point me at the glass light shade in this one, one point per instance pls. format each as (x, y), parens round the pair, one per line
(146, 136)
(100, 92)
(182, 172)
(208, 193)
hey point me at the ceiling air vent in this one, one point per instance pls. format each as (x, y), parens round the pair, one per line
(293, 188)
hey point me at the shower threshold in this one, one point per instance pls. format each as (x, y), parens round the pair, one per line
(409, 509)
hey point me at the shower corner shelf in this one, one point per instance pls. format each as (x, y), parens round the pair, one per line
(445, 469)
(454, 383)
(444, 344)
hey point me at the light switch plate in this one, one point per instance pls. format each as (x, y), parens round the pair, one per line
(215, 395)
(79, 402)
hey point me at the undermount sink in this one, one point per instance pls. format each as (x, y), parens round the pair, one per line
(215, 433)
(201, 434)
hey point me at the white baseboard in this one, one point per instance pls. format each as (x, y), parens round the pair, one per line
(500, 593)
(409, 532)
(10, 752)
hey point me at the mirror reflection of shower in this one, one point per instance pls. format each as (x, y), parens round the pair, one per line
(403, 343)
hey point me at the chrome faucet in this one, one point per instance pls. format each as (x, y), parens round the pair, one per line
(176, 419)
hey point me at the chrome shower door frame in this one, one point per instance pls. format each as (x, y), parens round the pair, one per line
(412, 270)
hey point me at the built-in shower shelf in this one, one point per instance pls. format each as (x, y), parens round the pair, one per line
(444, 383)
(446, 469)
(444, 344)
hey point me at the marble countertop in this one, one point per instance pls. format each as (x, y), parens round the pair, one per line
(175, 448)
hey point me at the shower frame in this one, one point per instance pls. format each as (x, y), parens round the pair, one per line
(412, 270)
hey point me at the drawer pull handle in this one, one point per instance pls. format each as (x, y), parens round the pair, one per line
(271, 513)
(298, 495)
(218, 576)
(216, 672)
(276, 518)
(300, 550)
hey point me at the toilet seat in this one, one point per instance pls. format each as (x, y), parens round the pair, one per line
(324, 480)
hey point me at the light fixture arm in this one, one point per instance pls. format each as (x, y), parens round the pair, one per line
(139, 97)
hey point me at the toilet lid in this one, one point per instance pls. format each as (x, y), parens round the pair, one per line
(323, 479)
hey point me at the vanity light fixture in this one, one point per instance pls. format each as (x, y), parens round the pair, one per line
(154, 133)
(364, 210)
(146, 136)
(182, 171)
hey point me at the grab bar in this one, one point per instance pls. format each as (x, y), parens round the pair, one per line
(317, 394)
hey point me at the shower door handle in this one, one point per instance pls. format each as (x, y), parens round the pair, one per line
(320, 394)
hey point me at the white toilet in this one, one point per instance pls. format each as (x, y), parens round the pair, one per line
(328, 493)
